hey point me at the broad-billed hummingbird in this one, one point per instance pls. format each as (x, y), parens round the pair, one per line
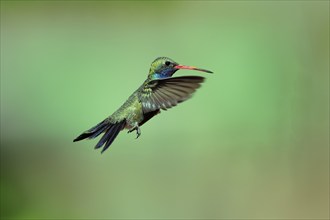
(160, 91)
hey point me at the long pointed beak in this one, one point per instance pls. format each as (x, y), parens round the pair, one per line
(191, 68)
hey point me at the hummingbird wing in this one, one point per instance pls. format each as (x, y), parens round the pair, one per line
(168, 92)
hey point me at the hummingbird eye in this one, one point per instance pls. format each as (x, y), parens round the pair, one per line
(167, 63)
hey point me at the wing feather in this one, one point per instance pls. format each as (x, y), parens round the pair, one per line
(166, 93)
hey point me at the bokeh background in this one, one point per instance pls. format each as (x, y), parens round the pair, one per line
(253, 142)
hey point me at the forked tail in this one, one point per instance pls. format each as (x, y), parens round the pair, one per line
(111, 130)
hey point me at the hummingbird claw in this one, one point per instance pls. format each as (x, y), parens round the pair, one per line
(138, 131)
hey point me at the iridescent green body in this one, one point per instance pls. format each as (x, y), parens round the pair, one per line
(160, 91)
(131, 111)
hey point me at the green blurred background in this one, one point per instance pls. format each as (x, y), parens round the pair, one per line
(252, 143)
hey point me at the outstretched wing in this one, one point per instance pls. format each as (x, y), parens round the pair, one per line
(166, 93)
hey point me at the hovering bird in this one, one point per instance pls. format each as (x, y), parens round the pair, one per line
(160, 91)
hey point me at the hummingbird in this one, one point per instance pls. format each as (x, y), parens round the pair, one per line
(160, 91)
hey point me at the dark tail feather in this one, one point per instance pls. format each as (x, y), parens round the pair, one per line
(94, 131)
(111, 132)
(110, 136)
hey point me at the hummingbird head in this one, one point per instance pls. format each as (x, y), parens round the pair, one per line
(164, 67)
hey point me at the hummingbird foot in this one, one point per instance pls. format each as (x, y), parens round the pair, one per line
(138, 131)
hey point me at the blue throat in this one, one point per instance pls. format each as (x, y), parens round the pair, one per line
(164, 74)
(159, 76)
